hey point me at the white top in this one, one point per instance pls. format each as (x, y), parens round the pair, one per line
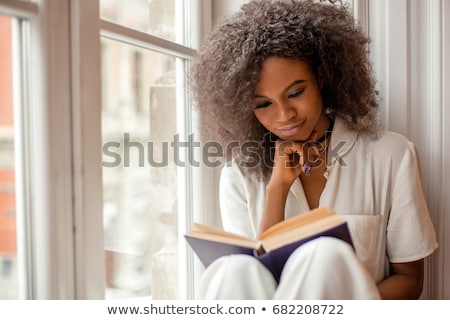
(373, 183)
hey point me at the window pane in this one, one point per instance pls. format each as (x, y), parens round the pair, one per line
(8, 242)
(139, 174)
(156, 17)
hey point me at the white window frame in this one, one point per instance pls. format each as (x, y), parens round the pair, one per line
(188, 202)
(61, 237)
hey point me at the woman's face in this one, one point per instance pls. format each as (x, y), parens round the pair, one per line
(287, 100)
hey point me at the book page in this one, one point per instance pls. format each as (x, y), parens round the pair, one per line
(295, 222)
(213, 234)
(301, 232)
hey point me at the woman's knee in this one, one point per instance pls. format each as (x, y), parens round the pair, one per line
(325, 248)
(237, 277)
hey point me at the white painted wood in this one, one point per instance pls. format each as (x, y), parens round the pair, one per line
(434, 162)
(22, 9)
(420, 113)
(361, 13)
(200, 15)
(50, 149)
(410, 50)
(133, 37)
(22, 157)
(397, 72)
(444, 218)
(87, 145)
(377, 48)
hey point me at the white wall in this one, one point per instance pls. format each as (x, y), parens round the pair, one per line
(411, 49)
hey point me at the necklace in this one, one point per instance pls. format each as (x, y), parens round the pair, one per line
(326, 174)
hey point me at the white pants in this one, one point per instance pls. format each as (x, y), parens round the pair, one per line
(325, 268)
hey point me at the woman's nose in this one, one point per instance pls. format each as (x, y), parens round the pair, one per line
(286, 112)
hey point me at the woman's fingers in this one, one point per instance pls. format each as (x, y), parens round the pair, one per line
(297, 154)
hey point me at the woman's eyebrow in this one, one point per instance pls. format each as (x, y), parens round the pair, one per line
(295, 82)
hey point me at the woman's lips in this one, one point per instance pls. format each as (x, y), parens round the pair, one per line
(290, 130)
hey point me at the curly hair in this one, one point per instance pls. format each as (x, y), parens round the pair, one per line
(325, 35)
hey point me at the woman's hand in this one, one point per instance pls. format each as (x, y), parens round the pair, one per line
(290, 160)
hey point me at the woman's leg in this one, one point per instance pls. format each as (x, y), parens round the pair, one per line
(237, 277)
(325, 268)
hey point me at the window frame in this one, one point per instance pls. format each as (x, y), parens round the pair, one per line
(61, 246)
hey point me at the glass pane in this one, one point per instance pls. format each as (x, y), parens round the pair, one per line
(156, 17)
(8, 242)
(139, 174)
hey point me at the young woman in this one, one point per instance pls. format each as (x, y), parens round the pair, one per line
(292, 80)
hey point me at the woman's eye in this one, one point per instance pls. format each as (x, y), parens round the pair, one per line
(296, 93)
(262, 105)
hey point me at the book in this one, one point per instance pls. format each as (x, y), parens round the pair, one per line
(275, 244)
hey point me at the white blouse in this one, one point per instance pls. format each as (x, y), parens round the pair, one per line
(374, 183)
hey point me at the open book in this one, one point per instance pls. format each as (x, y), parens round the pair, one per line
(275, 244)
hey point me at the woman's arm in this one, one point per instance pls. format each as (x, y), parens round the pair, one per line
(288, 164)
(405, 281)
(274, 205)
